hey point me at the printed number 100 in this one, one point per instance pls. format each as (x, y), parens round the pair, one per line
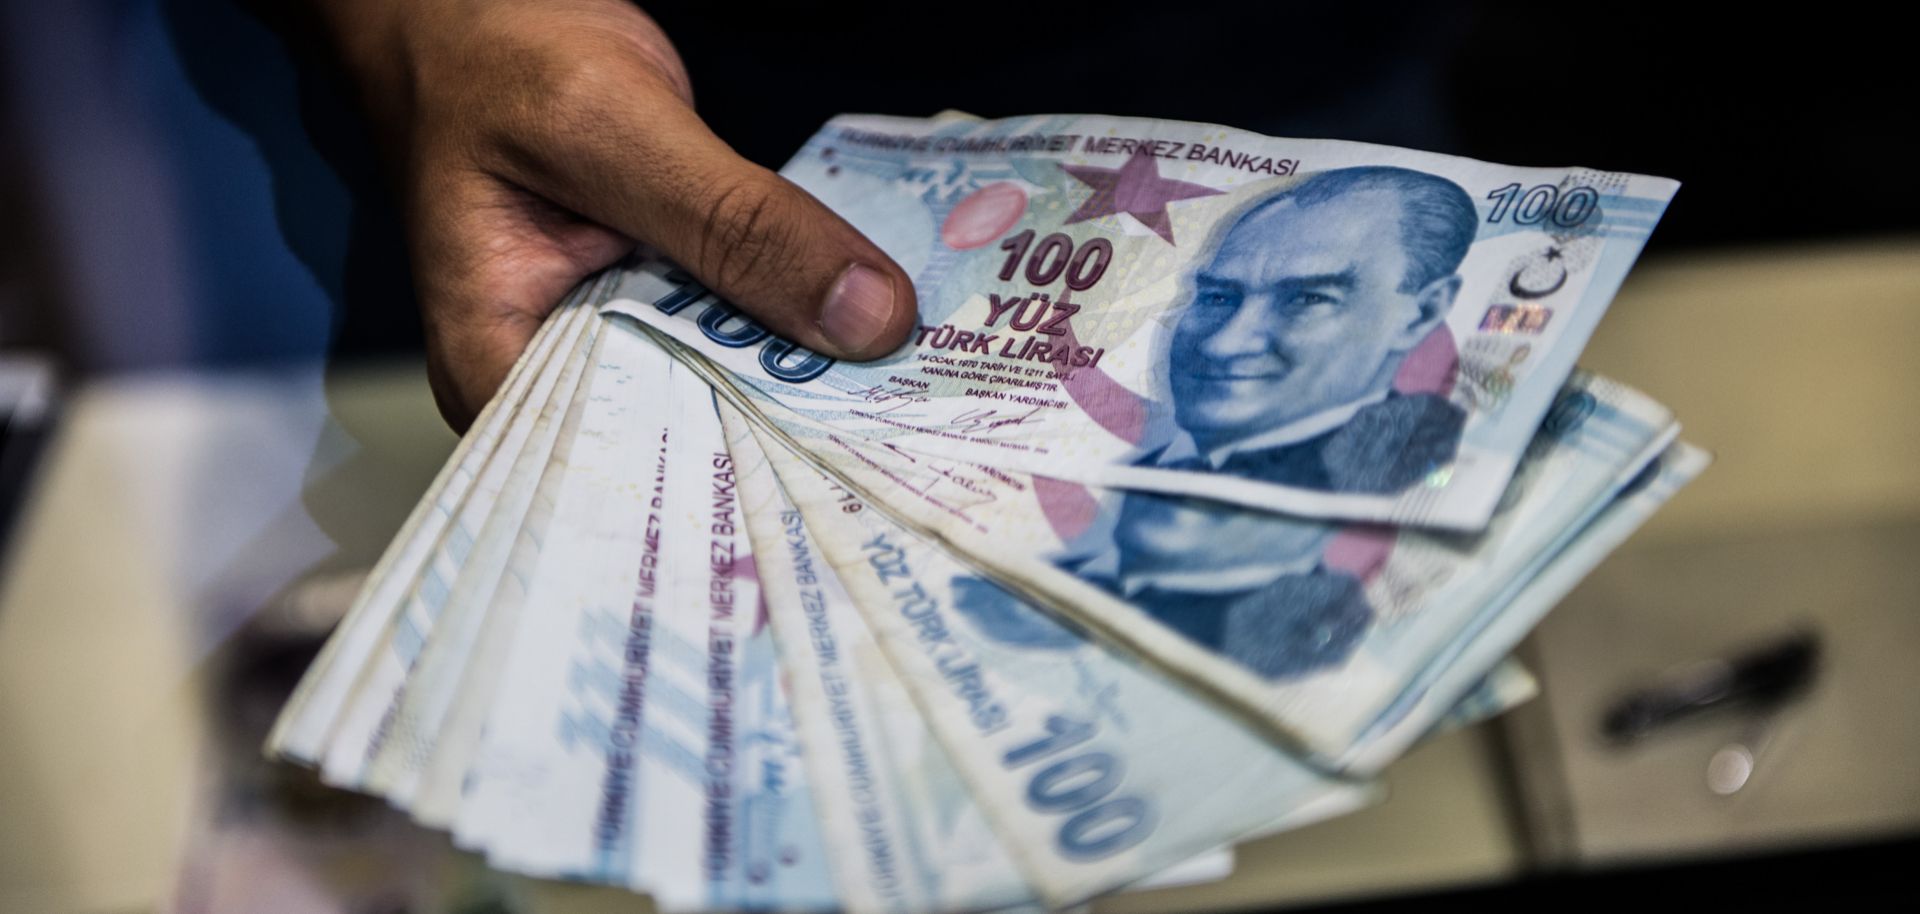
(1544, 202)
(1081, 786)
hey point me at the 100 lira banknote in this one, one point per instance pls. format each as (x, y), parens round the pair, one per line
(1096, 771)
(1331, 634)
(1324, 328)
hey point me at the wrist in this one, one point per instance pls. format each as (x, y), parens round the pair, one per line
(368, 40)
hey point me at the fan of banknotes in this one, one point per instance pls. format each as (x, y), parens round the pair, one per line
(1220, 470)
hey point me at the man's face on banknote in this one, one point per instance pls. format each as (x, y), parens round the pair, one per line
(1302, 309)
(1210, 546)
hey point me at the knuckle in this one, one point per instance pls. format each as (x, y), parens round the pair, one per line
(522, 82)
(554, 110)
(574, 85)
(748, 234)
(555, 94)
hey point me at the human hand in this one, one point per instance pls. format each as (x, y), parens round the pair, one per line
(537, 142)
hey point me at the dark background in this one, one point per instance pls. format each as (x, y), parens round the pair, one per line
(1780, 126)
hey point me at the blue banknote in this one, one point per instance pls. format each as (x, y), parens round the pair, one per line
(1327, 631)
(1324, 328)
(1096, 770)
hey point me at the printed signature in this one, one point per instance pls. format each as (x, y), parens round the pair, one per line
(976, 421)
(896, 396)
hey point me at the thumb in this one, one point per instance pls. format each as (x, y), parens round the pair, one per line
(753, 237)
(781, 256)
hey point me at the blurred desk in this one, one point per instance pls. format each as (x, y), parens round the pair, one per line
(167, 513)
(174, 515)
(1797, 368)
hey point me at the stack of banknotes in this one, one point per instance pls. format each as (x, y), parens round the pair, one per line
(1220, 470)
